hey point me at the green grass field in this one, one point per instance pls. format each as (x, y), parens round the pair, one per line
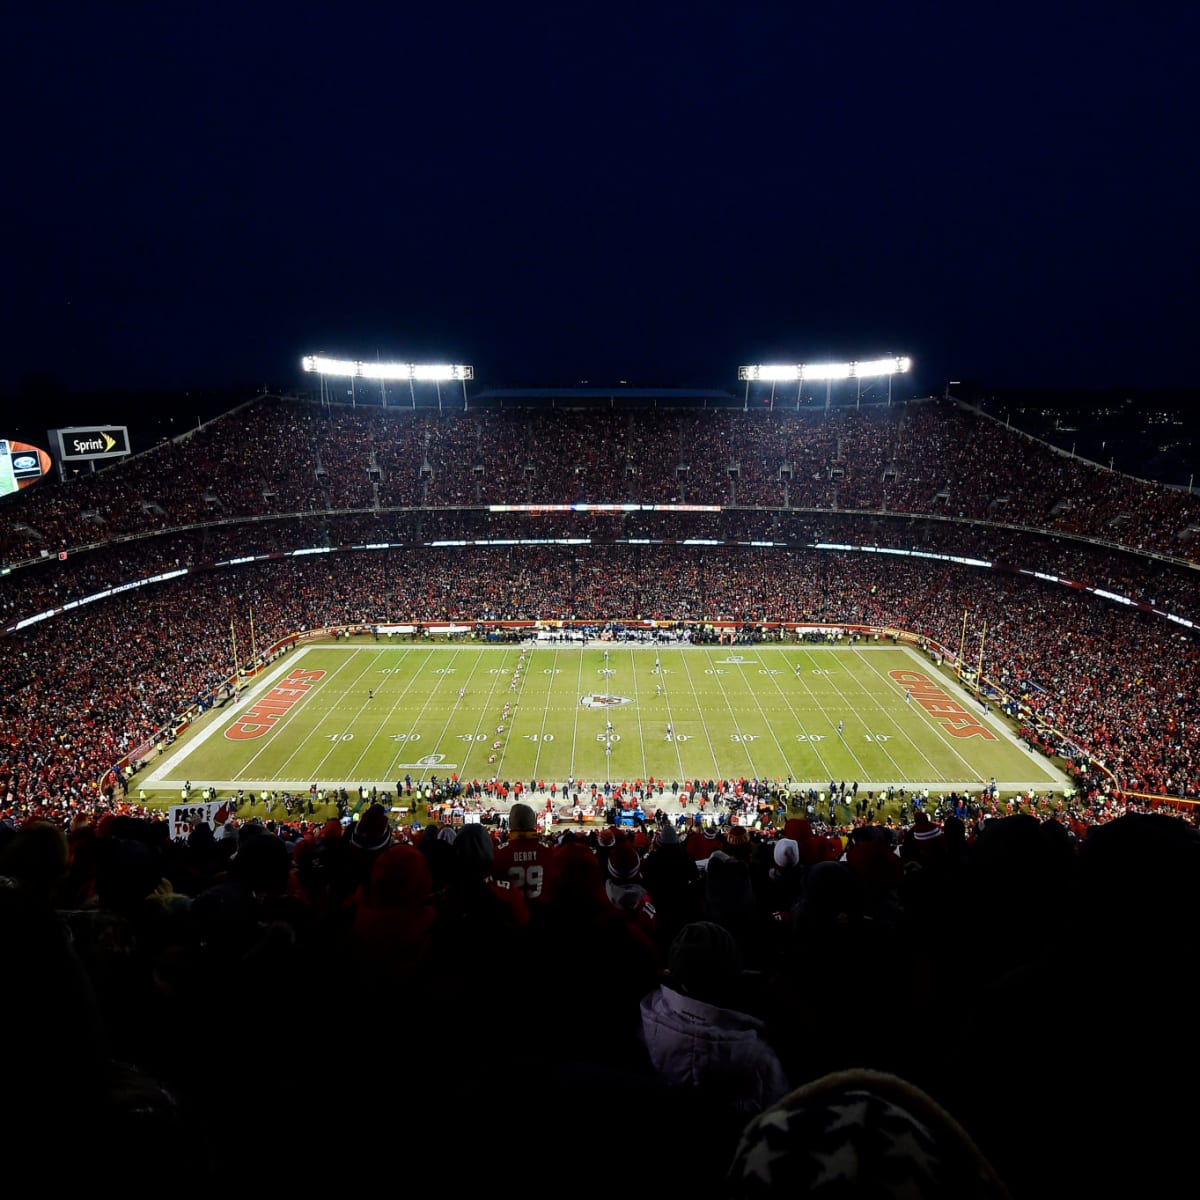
(754, 711)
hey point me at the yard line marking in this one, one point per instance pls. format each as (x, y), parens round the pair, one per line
(928, 718)
(451, 711)
(289, 716)
(787, 762)
(862, 771)
(798, 719)
(499, 763)
(347, 727)
(578, 706)
(718, 773)
(1001, 728)
(871, 699)
(500, 674)
(370, 742)
(537, 757)
(708, 654)
(900, 778)
(671, 721)
(638, 708)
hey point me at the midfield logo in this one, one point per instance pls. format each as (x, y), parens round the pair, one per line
(604, 701)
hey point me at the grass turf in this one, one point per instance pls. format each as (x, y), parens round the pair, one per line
(380, 711)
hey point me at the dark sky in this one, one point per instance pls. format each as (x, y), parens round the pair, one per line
(197, 194)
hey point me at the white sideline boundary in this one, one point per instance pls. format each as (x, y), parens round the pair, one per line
(164, 776)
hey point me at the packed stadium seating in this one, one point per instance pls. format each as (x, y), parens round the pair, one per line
(275, 456)
(180, 1010)
(277, 475)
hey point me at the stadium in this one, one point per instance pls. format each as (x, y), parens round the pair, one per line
(806, 626)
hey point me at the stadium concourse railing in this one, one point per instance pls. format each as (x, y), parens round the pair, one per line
(940, 655)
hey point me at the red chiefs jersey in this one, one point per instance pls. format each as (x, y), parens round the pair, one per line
(528, 864)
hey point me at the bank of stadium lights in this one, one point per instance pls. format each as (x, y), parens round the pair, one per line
(801, 373)
(344, 368)
(871, 368)
(384, 373)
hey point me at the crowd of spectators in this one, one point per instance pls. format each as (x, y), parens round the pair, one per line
(274, 456)
(86, 687)
(957, 1012)
(51, 582)
(666, 988)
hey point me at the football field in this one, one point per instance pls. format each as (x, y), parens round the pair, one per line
(376, 713)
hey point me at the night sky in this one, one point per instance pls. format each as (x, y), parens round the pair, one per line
(195, 195)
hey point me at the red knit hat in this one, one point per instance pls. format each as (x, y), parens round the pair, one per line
(373, 832)
(923, 829)
(400, 877)
(623, 862)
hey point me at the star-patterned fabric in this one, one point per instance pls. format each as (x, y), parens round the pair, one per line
(860, 1133)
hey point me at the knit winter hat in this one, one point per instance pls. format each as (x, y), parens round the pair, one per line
(475, 848)
(667, 836)
(787, 853)
(923, 829)
(623, 861)
(372, 832)
(522, 819)
(400, 877)
(703, 960)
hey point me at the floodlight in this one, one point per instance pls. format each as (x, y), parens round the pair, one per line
(422, 372)
(790, 373)
(880, 366)
(770, 374)
(825, 370)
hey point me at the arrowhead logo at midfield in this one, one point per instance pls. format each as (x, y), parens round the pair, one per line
(598, 701)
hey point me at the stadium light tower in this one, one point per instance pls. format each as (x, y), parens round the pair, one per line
(436, 373)
(773, 373)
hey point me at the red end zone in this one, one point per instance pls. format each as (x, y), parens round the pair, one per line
(949, 713)
(260, 718)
